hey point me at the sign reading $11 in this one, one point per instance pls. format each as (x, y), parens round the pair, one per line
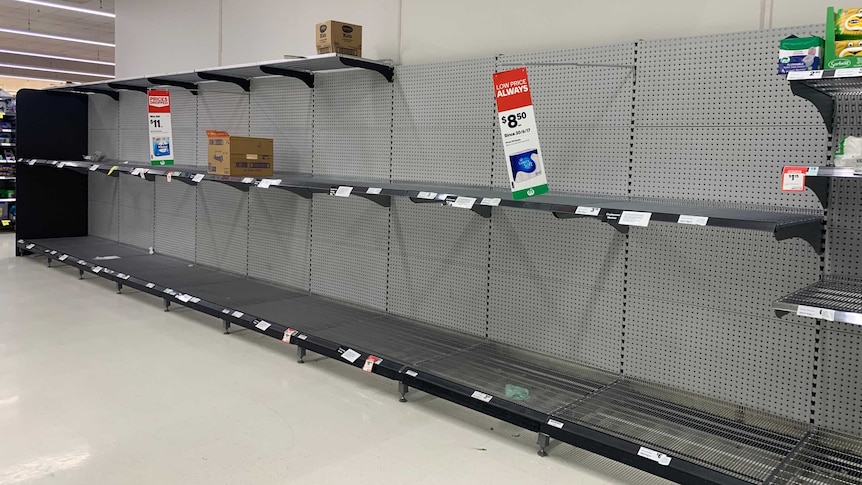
(161, 139)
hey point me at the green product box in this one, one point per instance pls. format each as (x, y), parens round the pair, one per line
(843, 38)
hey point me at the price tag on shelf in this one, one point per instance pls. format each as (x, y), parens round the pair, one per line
(143, 173)
(302, 336)
(290, 332)
(343, 191)
(237, 314)
(168, 176)
(97, 269)
(198, 177)
(63, 257)
(852, 72)
(481, 396)
(635, 218)
(490, 201)
(263, 325)
(555, 423)
(93, 168)
(815, 312)
(813, 171)
(61, 164)
(266, 183)
(170, 291)
(655, 456)
(373, 190)
(184, 298)
(802, 75)
(350, 355)
(29, 246)
(248, 180)
(369, 363)
(194, 299)
(693, 220)
(136, 171)
(412, 373)
(31, 162)
(587, 211)
(5, 222)
(793, 179)
(150, 285)
(427, 195)
(464, 202)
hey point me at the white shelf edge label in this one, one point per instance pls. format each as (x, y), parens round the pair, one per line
(93, 168)
(655, 456)
(587, 211)
(194, 299)
(481, 396)
(799, 75)
(183, 297)
(61, 164)
(237, 314)
(267, 183)
(29, 246)
(373, 190)
(248, 180)
(813, 171)
(412, 373)
(491, 201)
(693, 220)
(555, 423)
(464, 202)
(197, 178)
(343, 191)
(151, 285)
(350, 355)
(852, 72)
(635, 218)
(63, 257)
(97, 269)
(263, 325)
(815, 312)
(302, 336)
(136, 171)
(426, 195)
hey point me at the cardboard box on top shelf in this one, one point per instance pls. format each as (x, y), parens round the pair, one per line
(339, 37)
(239, 156)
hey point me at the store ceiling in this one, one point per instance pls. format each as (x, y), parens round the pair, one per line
(21, 16)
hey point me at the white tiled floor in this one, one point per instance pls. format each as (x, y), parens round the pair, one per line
(103, 388)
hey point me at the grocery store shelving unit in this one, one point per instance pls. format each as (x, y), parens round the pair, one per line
(8, 139)
(618, 410)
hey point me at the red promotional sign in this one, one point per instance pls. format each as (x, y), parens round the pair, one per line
(793, 179)
(513, 89)
(158, 101)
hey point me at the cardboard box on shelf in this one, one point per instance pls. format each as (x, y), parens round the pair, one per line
(240, 156)
(339, 37)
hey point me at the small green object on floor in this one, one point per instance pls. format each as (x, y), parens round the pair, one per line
(517, 393)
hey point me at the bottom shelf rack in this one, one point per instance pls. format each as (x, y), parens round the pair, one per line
(670, 433)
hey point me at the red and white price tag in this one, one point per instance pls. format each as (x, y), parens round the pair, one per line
(290, 332)
(793, 179)
(369, 363)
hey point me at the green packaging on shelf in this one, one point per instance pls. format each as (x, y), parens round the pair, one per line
(800, 54)
(843, 38)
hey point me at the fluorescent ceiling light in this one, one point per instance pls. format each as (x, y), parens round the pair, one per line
(29, 78)
(60, 71)
(69, 7)
(61, 58)
(55, 37)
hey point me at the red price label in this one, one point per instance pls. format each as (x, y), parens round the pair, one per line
(793, 179)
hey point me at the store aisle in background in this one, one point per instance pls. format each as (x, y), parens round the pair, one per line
(97, 387)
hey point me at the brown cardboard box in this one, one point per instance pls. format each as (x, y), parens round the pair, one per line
(238, 156)
(339, 37)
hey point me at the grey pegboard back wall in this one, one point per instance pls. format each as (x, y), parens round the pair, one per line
(700, 129)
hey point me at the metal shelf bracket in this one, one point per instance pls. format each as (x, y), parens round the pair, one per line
(305, 76)
(245, 84)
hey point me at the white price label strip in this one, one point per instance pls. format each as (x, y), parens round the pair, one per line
(813, 171)
(136, 171)
(815, 312)
(169, 175)
(491, 201)
(799, 75)
(197, 178)
(555, 423)
(267, 183)
(248, 180)
(693, 220)
(237, 314)
(373, 190)
(151, 285)
(302, 336)
(426, 195)
(63, 257)
(61, 164)
(343, 191)
(29, 246)
(97, 269)
(655, 456)
(587, 211)
(194, 299)
(93, 168)
(635, 218)
(412, 373)
(848, 72)
(464, 202)
(350, 355)
(263, 325)
(481, 396)
(184, 298)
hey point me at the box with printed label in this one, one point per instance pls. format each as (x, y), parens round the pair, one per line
(239, 155)
(339, 37)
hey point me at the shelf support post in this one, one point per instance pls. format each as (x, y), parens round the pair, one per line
(403, 390)
(226, 326)
(119, 287)
(544, 441)
(80, 274)
(300, 354)
(167, 304)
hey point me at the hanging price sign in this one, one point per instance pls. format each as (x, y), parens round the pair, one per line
(161, 139)
(520, 137)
